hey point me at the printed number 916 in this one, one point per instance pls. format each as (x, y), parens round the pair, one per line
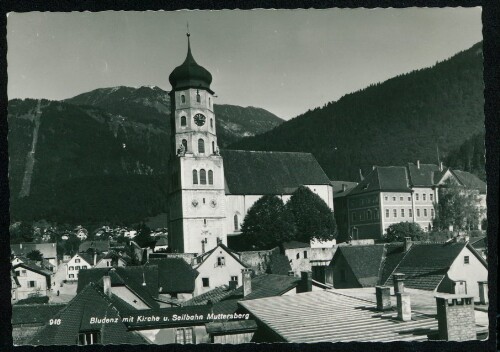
(55, 322)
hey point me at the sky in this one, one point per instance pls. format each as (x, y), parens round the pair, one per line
(285, 61)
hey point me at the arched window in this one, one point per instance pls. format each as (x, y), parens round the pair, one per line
(201, 146)
(183, 120)
(198, 97)
(185, 144)
(210, 177)
(183, 98)
(236, 223)
(211, 123)
(213, 147)
(195, 177)
(203, 177)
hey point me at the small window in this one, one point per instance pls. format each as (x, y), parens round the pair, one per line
(298, 256)
(393, 199)
(210, 177)
(386, 198)
(77, 267)
(185, 144)
(375, 214)
(89, 338)
(201, 146)
(418, 212)
(84, 267)
(183, 121)
(198, 97)
(206, 282)
(77, 260)
(425, 212)
(213, 147)
(432, 213)
(204, 222)
(305, 254)
(409, 199)
(236, 223)
(395, 213)
(221, 261)
(416, 196)
(369, 215)
(71, 276)
(71, 268)
(183, 98)
(424, 196)
(431, 197)
(400, 199)
(211, 123)
(203, 177)
(387, 213)
(402, 213)
(234, 278)
(410, 213)
(466, 259)
(209, 101)
(31, 283)
(195, 177)
(184, 335)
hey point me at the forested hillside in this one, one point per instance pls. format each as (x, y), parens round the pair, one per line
(403, 119)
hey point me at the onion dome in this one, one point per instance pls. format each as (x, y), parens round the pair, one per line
(190, 74)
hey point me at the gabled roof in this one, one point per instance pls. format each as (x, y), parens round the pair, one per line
(470, 181)
(328, 316)
(75, 318)
(426, 264)
(261, 173)
(423, 176)
(131, 277)
(364, 261)
(267, 285)
(203, 257)
(34, 313)
(479, 242)
(33, 267)
(384, 178)
(337, 185)
(174, 275)
(49, 250)
(89, 258)
(215, 295)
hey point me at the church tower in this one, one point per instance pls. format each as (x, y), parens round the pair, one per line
(196, 182)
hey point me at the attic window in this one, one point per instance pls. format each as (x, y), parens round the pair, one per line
(89, 338)
(221, 261)
(466, 259)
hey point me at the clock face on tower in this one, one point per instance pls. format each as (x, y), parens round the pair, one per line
(199, 119)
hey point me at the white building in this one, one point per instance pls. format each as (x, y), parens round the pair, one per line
(210, 191)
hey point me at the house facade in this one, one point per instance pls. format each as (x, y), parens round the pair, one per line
(79, 261)
(32, 281)
(394, 194)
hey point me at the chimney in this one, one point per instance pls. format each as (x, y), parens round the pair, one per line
(361, 175)
(440, 166)
(407, 243)
(483, 292)
(247, 281)
(291, 273)
(404, 306)
(456, 319)
(399, 282)
(233, 284)
(418, 164)
(344, 187)
(107, 285)
(305, 284)
(383, 294)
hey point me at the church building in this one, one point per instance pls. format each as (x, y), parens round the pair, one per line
(210, 191)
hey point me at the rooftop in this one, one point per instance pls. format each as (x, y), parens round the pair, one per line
(174, 275)
(248, 172)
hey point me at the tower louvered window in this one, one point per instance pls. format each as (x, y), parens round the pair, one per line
(201, 146)
(203, 177)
